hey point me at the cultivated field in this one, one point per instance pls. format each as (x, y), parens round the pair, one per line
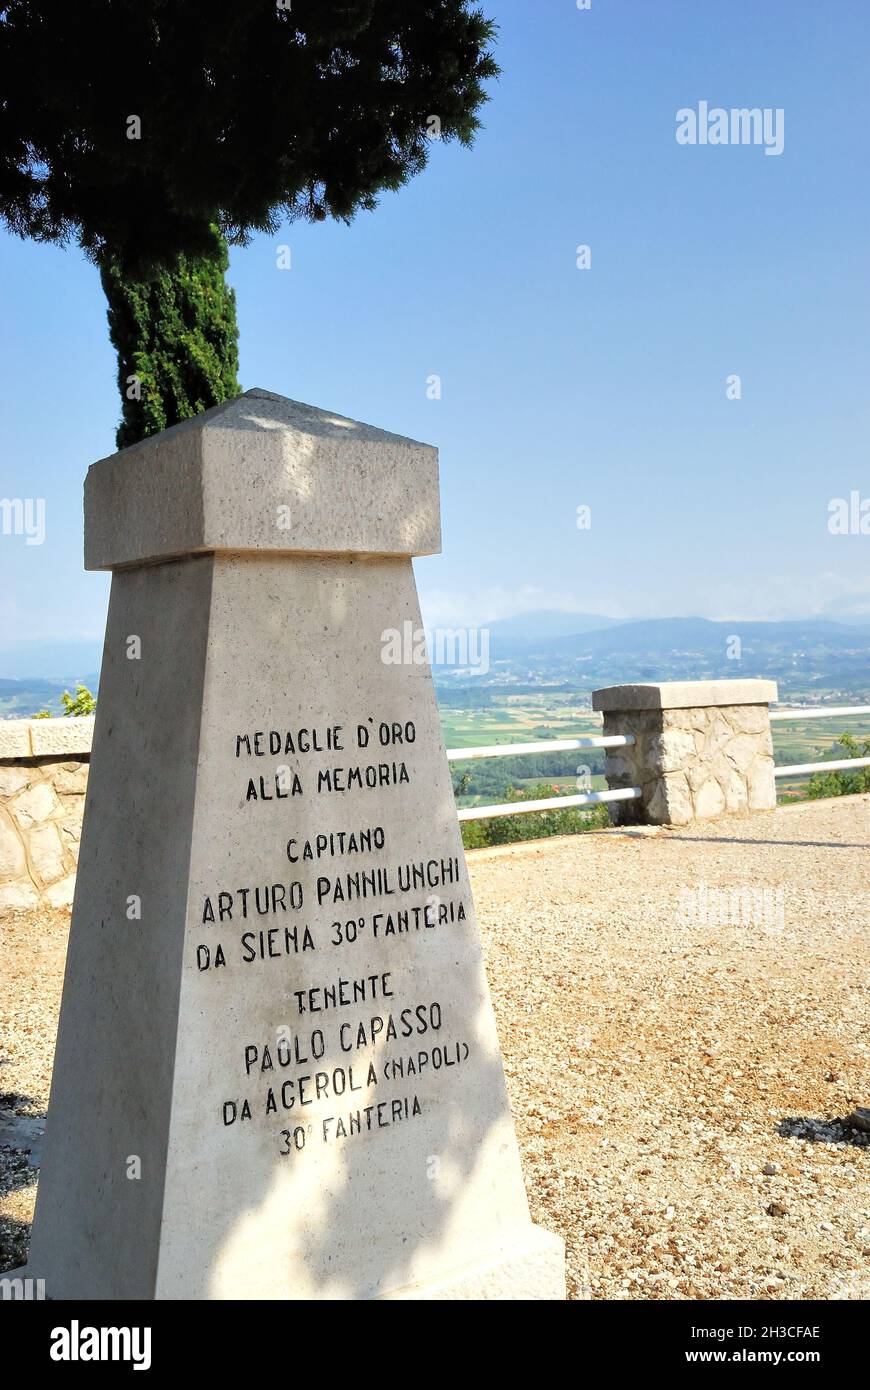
(551, 715)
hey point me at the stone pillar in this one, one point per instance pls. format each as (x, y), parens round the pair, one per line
(702, 750)
(277, 1072)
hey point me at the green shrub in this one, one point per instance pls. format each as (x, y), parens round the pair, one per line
(74, 706)
(843, 783)
(533, 825)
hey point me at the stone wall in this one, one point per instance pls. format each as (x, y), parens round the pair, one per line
(692, 761)
(43, 780)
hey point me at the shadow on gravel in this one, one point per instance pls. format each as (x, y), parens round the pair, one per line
(14, 1244)
(752, 840)
(837, 1131)
(20, 1140)
(21, 1131)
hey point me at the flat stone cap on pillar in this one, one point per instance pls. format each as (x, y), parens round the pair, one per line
(684, 695)
(262, 473)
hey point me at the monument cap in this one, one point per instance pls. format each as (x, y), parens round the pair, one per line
(262, 473)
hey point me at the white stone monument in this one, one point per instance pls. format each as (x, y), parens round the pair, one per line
(277, 1071)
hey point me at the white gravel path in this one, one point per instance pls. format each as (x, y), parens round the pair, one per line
(659, 1062)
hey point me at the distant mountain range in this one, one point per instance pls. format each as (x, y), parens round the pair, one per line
(550, 623)
(809, 657)
(21, 699)
(663, 636)
(578, 650)
(34, 675)
(537, 628)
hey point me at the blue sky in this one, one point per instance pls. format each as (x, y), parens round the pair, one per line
(560, 387)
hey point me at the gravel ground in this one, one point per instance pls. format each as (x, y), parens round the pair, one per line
(32, 955)
(665, 1069)
(681, 1061)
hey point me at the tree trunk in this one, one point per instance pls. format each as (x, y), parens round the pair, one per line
(176, 337)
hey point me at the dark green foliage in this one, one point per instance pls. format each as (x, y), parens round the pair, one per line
(74, 706)
(534, 825)
(843, 783)
(493, 777)
(176, 337)
(243, 113)
(251, 113)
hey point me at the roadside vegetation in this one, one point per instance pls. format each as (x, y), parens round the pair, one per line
(74, 706)
(843, 783)
(533, 825)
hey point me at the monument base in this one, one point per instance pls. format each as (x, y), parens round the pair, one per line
(529, 1267)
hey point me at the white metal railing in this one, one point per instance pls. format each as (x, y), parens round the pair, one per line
(820, 712)
(834, 765)
(567, 745)
(554, 745)
(549, 803)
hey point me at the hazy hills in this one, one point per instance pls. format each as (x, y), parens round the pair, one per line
(664, 636)
(808, 657)
(549, 623)
(580, 650)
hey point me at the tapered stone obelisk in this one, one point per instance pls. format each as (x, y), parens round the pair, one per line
(277, 1071)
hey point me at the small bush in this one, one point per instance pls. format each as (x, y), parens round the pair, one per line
(843, 783)
(74, 706)
(534, 825)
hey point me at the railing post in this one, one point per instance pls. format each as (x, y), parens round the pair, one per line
(703, 749)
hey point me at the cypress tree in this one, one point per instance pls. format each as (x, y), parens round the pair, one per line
(176, 337)
(148, 130)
